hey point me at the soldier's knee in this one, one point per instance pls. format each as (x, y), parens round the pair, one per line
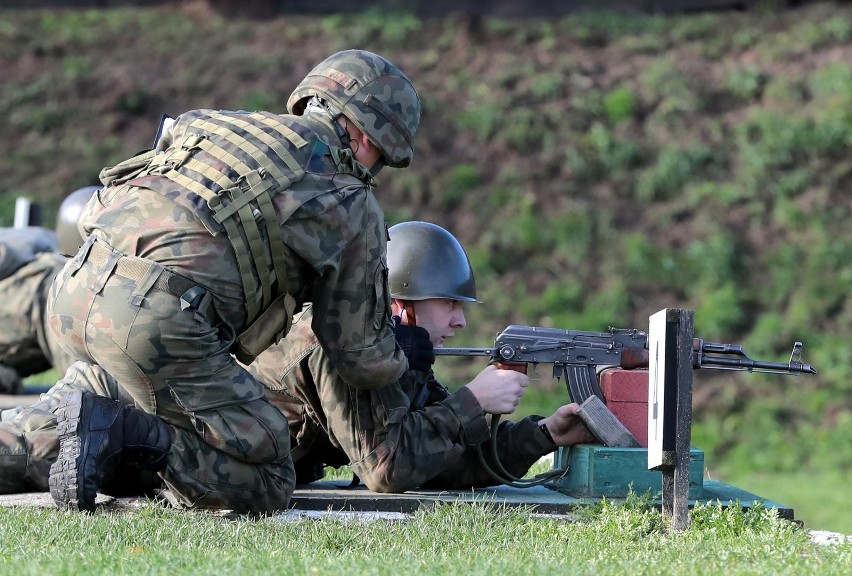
(254, 432)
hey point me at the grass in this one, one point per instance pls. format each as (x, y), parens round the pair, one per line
(447, 539)
(816, 495)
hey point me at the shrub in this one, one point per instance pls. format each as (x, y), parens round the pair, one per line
(259, 100)
(461, 179)
(746, 83)
(674, 168)
(620, 105)
(524, 129)
(719, 311)
(547, 85)
(480, 118)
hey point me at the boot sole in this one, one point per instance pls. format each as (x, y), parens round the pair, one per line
(65, 486)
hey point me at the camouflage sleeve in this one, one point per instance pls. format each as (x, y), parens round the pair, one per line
(352, 317)
(18, 246)
(26, 343)
(436, 447)
(410, 447)
(519, 445)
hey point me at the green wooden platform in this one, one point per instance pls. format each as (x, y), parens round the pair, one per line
(598, 471)
(594, 472)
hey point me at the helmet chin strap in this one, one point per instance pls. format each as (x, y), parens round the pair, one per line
(409, 313)
(318, 105)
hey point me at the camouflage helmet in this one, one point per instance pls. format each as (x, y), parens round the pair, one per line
(426, 261)
(68, 235)
(371, 92)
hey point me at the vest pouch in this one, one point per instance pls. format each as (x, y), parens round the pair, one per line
(272, 325)
(126, 170)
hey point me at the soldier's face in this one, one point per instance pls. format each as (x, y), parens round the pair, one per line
(441, 317)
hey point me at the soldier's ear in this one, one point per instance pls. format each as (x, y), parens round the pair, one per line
(368, 144)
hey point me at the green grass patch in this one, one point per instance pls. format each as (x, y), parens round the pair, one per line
(818, 497)
(448, 539)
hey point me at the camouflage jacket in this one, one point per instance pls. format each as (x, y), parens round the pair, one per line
(329, 223)
(19, 246)
(411, 434)
(28, 264)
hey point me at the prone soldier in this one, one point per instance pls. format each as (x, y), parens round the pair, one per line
(29, 260)
(413, 433)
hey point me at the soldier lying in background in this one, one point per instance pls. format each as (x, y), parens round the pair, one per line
(29, 259)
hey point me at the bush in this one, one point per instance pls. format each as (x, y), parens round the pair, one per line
(620, 105)
(674, 168)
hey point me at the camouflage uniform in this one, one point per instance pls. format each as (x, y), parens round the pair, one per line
(170, 349)
(397, 438)
(28, 263)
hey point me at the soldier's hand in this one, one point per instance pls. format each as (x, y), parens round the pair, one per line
(566, 427)
(415, 344)
(499, 391)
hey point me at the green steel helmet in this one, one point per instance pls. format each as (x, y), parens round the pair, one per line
(68, 235)
(426, 261)
(371, 92)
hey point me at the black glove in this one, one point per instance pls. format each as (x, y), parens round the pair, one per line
(416, 345)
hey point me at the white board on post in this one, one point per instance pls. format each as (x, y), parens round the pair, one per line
(662, 407)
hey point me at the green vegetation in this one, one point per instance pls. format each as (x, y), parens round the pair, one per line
(485, 538)
(598, 168)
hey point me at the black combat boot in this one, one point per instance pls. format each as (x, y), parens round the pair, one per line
(95, 435)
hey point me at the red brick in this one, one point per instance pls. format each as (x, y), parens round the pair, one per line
(626, 394)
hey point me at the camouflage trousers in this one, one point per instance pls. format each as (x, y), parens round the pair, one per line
(230, 446)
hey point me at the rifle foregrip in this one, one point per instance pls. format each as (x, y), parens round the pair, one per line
(634, 358)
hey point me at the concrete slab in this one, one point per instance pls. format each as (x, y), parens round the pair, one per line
(337, 497)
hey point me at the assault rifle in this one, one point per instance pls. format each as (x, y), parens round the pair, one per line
(577, 355)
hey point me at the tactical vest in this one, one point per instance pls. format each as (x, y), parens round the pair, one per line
(250, 158)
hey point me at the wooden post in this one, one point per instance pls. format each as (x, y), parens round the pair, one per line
(670, 408)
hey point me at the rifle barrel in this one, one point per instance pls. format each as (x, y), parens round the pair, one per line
(745, 363)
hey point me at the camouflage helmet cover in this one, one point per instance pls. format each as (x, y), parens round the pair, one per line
(426, 261)
(68, 236)
(371, 92)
